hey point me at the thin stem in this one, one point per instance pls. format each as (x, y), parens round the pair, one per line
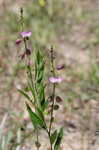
(22, 19)
(37, 140)
(49, 138)
(30, 74)
(51, 117)
(25, 43)
(53, 95)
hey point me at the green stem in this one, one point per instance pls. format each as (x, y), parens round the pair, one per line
(53, 96)
(51, 117)
(37, 139)
(49, 138)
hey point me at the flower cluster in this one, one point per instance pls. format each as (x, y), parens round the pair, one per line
(57, 79)
(24, 35)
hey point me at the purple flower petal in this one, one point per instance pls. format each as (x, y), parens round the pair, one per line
(59, 67)
(26, 34)
(18, 41)
(55, 79)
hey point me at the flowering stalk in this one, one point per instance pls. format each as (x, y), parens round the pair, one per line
(25, 36)
(21, 19)
(37, 104)
(53, 94)
(53, 91)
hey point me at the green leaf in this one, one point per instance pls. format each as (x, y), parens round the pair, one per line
(40, 72)
(31, 88)
(38, 57)
(41, 65)
(26, 89)
(40, 113)
(45, 104)
(53, 136)
(41, 95)
(40, 77)
(58, 140)
(24, 94)
(36, 120)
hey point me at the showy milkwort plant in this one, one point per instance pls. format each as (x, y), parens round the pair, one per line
(38, 103)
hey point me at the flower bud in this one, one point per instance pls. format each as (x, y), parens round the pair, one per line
(18, 41)
(56, 107)
(58, 99)
(60, 67)
(51, 98)
(38, 145)
(28, 52)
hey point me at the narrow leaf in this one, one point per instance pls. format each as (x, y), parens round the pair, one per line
(24, 94)
(58, 140)
(45, 105)
(40, 113)
(53, 136)
(36, 120)
(31, 89)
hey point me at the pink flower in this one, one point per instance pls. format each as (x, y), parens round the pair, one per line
(55, 79)
(18, 41)
(26, 34)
